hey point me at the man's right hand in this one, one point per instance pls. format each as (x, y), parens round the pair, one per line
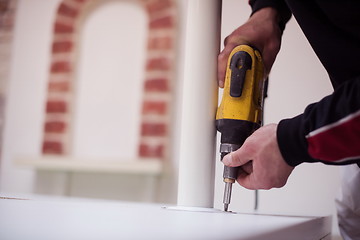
(260, 31)
(260, 159)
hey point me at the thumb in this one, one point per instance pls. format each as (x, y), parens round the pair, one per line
(236, 158)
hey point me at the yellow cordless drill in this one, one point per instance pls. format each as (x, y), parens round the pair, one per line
(241, 108)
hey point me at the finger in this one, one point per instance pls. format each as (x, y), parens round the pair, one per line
(222, 62)
(245, 180)
(247, 167)
(245, 175)
(230, 43)
(226, 40)
(236, 158)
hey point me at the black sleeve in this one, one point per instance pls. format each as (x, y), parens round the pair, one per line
(328, 131)
(279, 5)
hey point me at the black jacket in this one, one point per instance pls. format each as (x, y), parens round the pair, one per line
(329, 130)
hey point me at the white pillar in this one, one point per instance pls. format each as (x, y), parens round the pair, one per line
(199, 103)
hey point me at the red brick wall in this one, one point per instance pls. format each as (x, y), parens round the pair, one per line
(157, 97)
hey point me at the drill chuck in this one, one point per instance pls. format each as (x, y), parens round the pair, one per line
(229, 174)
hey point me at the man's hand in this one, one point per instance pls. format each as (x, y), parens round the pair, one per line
(262, 165)
(260, 31)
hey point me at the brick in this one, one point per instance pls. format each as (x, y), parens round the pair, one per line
(163, 43)
(156, 85)
(153, 129)
(53, 106)
(158, 64)
(63, 86)
(52, 147)
(67, 10)
(55, 127)
(65, 46)
(162, 22)
(61, 67)
(63, 28)
(159, 5)
(154, 107)
(151, 151)
(4, 6)
(7, 20)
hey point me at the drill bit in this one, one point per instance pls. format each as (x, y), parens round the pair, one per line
(227, 193)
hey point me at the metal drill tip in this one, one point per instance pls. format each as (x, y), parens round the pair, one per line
(227, 195)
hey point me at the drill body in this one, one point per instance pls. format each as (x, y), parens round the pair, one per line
(240, 111)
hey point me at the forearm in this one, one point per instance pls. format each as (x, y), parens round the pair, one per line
(327, 131)
(281, 7)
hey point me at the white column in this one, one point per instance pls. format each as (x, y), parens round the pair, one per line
(199, 103)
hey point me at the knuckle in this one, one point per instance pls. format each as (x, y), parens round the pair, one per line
(280, 183)
(235, 158)
(226, 40)
(266, 186)
(221, 57)
(249, 148)
(277, 182)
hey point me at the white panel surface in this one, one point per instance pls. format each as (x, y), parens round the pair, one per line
(84, 219)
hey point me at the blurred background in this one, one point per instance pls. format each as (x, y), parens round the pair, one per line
(89, 103)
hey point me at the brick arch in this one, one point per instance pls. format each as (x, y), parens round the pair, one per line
(154, 136)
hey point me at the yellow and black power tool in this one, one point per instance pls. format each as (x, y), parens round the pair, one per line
(240, 111)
